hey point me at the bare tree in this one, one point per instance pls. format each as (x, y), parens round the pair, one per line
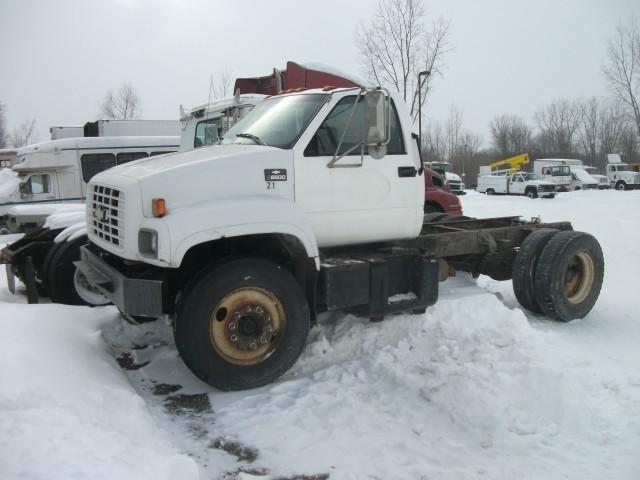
(590, 113)
(221, 85)
(453, 130)
(622, 69)
(612, 125)
(3, 126)
(124, 104)
(434, 144)
(558, 123)
(510, 135)
(24, 134)
(396, 44)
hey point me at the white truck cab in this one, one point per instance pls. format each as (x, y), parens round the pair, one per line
(621, 176)
(206, 124)
(453, 179)
(554, 172)
(520, 183)
(283, 168)
(603, 181)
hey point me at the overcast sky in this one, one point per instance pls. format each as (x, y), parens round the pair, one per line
(58, 58)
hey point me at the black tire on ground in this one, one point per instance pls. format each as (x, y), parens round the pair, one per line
(524, 267)
(433, 217)
(569, 275)
(531, 193)
(58, 270)
(620, 185)
(490, 191)
(241, 325)
(430, 207)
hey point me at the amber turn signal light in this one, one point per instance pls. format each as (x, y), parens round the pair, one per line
(158, 207)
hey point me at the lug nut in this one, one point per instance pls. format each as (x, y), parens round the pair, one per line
(259, 310)
(233, 326)
(253, 345)
(248, 309)
(234, 338)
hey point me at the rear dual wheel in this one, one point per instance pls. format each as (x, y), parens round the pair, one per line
(242, 325)
(558, 274)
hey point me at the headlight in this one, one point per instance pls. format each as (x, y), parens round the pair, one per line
(148, 243)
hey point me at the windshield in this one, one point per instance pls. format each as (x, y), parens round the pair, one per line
(442, 167)
(277, 122)
(624, 168)
(530, 176)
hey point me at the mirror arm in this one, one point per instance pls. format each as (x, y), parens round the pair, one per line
(335, 158)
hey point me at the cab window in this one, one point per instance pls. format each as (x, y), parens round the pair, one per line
(206, 133)
(125, 157)
(94, 163)
(325, 142)
(38, 184)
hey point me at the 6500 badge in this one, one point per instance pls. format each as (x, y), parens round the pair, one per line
(273, 175)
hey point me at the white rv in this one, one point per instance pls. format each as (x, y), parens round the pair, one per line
(58, 171)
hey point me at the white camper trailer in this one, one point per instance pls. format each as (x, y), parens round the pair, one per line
(58, 171)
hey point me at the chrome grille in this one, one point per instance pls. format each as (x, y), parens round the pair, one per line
(107, 214)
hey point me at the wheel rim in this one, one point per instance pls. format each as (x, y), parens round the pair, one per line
(86, 292)
(246, 325)
(579, 277)
(620, 186)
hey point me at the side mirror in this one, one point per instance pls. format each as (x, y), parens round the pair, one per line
(23, 188)
(375, 118)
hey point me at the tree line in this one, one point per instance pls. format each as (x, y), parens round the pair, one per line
(401, 39)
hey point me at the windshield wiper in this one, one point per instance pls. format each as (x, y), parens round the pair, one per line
(251, 136)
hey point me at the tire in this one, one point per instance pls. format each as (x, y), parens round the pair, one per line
(621, 185)
(434, 217)
(524, 267)
(59, 272)
(531, 193)
(430, 207)
(224, 322)
(490, 191)
(569, 274)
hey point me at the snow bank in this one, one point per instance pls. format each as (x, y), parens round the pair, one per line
(9, 182)
(46, 208)
(67, 410)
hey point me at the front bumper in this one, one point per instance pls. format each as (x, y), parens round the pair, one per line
(132, 296)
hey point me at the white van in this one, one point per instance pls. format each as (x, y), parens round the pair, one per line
(58, 170)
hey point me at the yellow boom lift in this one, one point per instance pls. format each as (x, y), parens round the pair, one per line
(510, 165)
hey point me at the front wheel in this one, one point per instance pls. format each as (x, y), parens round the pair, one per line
(242, 325)
(621, 185)
(531, 194)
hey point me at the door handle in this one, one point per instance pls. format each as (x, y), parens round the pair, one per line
(407, 171)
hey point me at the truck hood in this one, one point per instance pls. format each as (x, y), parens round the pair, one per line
(540, 183)
(201, 175)
(453, 176)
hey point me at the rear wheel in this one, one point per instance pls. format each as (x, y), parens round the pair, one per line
(490, 191)
(524, 267)
(242, 325)
(568, 276)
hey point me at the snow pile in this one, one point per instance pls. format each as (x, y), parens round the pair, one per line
(9, 182)
(474, 388)
(67, 410)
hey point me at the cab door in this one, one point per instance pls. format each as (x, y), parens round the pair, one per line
(516, 186)
(358, 198)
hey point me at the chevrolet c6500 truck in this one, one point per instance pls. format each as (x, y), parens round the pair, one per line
(312, 202)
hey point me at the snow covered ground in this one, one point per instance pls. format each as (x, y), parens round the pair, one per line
(474, 388)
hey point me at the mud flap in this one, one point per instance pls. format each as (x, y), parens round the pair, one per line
(30, 280)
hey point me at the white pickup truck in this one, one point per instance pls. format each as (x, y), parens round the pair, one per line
(520, 183)
(313, 202)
